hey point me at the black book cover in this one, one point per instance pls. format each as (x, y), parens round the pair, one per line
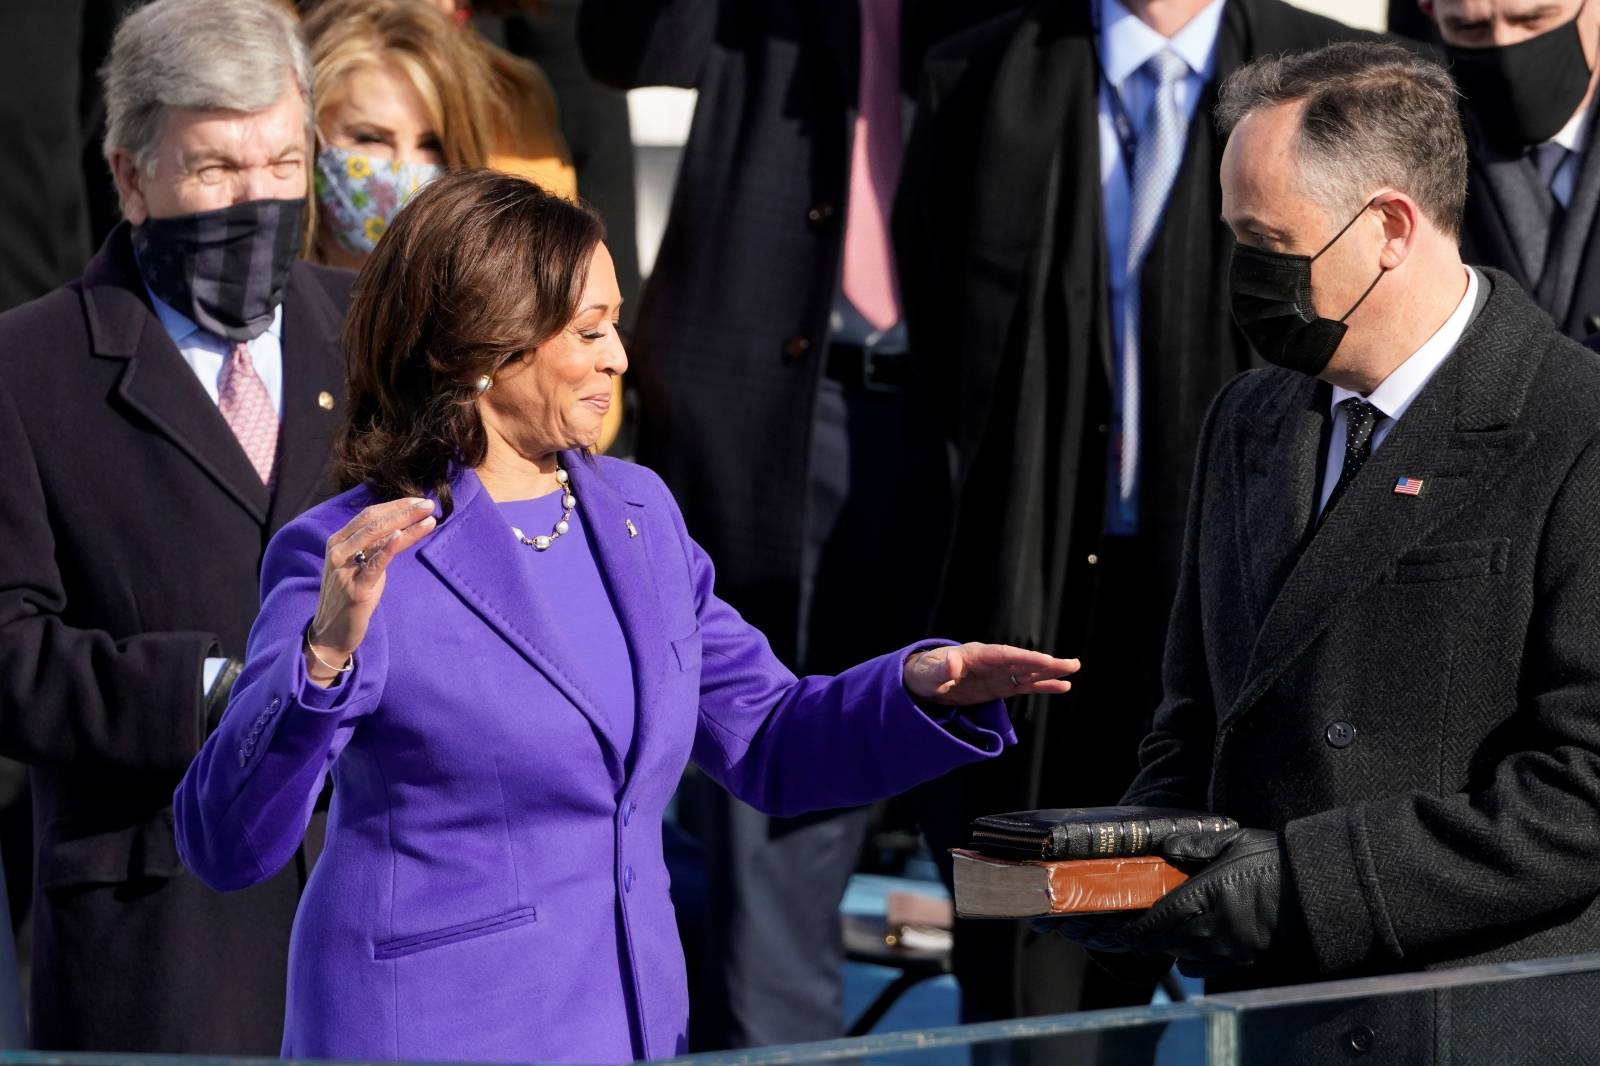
(1087, 832)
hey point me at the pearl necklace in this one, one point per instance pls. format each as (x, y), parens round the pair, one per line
(568, 502)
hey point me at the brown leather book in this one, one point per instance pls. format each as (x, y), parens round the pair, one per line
(1002, 888)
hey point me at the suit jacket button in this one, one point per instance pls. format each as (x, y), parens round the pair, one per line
(796, 348)
(627, 879)
(820, 212)
(1341, 734)
(1360, 1039)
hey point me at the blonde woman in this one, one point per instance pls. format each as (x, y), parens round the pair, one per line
(402, 94)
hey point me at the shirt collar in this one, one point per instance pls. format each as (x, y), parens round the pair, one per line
(180, 327)
(1575, 132)
(1126, 44)
(1403, 384)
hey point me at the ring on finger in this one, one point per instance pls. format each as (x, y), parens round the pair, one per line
(360, 559)
(1014, 682)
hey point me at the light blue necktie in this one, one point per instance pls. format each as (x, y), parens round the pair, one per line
(1156, 159)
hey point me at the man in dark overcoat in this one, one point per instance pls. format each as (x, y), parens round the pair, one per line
(1026, 310)
(160, 418)
(1383, 659)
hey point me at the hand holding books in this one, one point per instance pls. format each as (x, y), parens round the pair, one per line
(1135, 880)
(1237, 905)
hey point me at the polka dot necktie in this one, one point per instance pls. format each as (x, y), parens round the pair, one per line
(1360, 418)
(248, 409)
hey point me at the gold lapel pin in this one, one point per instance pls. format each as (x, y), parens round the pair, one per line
(633, 530)
(325, 400)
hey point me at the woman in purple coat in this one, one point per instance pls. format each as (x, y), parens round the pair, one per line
(506, 710)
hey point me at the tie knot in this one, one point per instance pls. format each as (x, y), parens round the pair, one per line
(1547, 159)
(1166, 67)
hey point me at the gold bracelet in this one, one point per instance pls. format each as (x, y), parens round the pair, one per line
(349, 665)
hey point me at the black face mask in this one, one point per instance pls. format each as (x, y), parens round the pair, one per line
(1523, 93)
(225, 269)
(1271, 295)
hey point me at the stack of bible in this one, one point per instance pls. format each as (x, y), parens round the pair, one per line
(1077, 860)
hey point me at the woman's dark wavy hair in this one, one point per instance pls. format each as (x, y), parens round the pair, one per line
(477, 270)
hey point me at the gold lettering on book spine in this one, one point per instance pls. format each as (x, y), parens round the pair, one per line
(1105, 842)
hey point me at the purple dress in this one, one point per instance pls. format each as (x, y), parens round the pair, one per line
(492, 886)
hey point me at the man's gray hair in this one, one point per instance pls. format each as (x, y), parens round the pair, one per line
(226, 55)
(1376, 114)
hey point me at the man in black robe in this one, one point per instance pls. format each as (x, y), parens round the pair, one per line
(1013, 268)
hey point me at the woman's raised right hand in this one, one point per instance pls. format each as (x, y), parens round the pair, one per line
(353, 570)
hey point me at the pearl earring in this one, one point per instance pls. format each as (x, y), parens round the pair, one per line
(483, 383)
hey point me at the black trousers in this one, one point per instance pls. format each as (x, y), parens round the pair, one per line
(1080, 750)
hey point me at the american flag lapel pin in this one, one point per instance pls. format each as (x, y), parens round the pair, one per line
(1408, 486)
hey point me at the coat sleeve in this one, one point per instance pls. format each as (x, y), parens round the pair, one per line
(242, 808)
(632, 44)
(788, 745)
(1175, 756)
(1399, 876)
(70, 695)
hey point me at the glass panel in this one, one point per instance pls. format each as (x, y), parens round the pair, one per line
(1128, 1037)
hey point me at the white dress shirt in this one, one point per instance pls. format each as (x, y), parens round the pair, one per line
(1399, 389)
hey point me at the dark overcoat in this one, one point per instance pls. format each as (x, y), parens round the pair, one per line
(134, 531)
(731, 344)
(1409, 693)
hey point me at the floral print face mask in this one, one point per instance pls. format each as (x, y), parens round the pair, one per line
(359, 195)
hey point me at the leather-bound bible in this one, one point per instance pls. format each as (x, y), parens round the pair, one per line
(1081, 860)
(1003, 888)
(1088, 832)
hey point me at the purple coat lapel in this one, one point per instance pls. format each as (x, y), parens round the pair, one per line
(620, 527)
(475, 555)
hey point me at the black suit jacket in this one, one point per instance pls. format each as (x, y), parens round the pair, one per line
(730, 343)
(134, 531)
(55, 189)
(1001, 234)
(1409, 694)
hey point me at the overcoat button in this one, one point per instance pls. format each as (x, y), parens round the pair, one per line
(1360, 1039)
(796, 348)
(1341, 734)
(819, 213)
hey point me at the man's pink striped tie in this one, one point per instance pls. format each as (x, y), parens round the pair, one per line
(875, 156)
(249, 411)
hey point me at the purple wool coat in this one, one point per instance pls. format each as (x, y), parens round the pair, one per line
(493, 886)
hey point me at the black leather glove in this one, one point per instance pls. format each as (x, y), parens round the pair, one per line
(1237, 905)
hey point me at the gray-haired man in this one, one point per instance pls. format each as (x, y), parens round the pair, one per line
(1383, 657)
(161, 417)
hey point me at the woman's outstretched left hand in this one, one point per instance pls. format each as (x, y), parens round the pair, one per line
(977, 673)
